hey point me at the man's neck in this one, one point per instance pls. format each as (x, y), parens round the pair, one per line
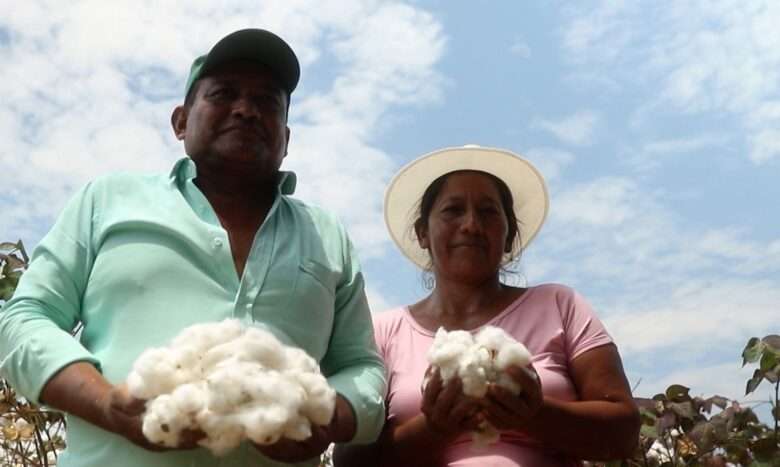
(240, 201)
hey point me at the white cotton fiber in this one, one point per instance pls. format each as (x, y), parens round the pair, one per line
(232, 383)
(478, 360)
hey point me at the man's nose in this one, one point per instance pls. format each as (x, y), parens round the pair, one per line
(245, 108)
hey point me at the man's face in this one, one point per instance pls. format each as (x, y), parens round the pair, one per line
(236, 120)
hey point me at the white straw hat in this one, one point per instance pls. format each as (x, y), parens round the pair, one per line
(402, 197)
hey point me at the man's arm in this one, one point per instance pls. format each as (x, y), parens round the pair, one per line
(352, 363)
(35, 325)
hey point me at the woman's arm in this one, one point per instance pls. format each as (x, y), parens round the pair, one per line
(603, 424)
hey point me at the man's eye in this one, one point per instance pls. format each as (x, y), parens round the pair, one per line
(220, 92)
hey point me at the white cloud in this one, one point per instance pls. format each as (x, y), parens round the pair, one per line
(715, 58)
(86, 96)
(652, 154)
(765, 145)
(575, 129)
(724, 379)
(521, 49)
(606, 202)
(684, 145)
(699, 318)
(550, 161)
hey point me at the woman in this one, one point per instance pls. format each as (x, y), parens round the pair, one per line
(478, 208)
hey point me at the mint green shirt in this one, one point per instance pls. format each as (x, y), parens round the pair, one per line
(137, 259)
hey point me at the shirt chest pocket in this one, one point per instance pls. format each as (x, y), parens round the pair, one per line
(301, 305)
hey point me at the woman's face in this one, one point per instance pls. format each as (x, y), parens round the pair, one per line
(467, 229)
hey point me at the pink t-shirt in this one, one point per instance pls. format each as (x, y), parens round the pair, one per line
(553, 321)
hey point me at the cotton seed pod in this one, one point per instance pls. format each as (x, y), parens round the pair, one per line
(478, 360)
(232, 383)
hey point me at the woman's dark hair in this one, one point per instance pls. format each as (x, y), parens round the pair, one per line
(505, 195)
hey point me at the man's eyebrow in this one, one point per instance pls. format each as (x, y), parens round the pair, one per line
(267, 87)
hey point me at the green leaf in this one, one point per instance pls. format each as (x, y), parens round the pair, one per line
(8, 246)
(678, 393)
(649, 431)
(683, 409)
(772, 341)
(765, 449)
(752, 351)
(703, 435)
(753, 382)
(768, 361)
(718, 401)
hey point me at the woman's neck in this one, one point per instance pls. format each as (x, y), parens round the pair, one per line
(456, 305)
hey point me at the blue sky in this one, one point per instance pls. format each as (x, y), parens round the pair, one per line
(655, 124)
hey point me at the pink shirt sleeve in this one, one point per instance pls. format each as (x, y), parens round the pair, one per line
(583, 330)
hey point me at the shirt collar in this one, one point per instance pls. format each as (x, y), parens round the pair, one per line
(184, 170)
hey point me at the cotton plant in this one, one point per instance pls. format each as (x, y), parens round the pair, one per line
(232, 383)
(478, 360)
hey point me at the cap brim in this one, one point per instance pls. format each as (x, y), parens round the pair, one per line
(531, 201)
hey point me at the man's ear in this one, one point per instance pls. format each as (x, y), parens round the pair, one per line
(286, 139)
(179, 122)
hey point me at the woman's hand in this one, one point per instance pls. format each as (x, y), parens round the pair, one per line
(448, 412)
(122, 414)
(507, 411)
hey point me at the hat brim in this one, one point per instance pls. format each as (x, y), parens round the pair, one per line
(531, 200)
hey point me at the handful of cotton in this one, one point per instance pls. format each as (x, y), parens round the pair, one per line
(232, 383)
(478, 360)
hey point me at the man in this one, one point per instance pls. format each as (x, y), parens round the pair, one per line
(138, 258)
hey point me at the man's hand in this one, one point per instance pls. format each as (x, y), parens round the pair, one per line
(123, 415)
(341, 429)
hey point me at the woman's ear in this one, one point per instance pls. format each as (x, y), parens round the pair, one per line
(179, 122)
(422, 236)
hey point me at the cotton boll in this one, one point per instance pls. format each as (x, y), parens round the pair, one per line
(162, 421)
(478, 361)
(232, 383)
(472, 371)
(150, 375)
(300, 360)
(512, 354)
(321, 401)
(298, 428)
(223, 432)
(492, 338)
(265, 424)
(190, 398)
(207, 335)
(260, 346)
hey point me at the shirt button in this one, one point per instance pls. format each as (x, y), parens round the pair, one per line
(248, 306)
(217, 243)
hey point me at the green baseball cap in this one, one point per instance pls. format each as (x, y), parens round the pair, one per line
(256, 45)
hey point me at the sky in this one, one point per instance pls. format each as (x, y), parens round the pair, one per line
(654, 123)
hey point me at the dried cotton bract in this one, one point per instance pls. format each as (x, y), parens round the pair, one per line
(478, 360)
(232, 383)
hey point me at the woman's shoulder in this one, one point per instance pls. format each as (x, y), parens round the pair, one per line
(387, 323)
(552, 290)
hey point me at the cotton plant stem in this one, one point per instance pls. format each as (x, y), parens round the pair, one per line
(777, 410)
